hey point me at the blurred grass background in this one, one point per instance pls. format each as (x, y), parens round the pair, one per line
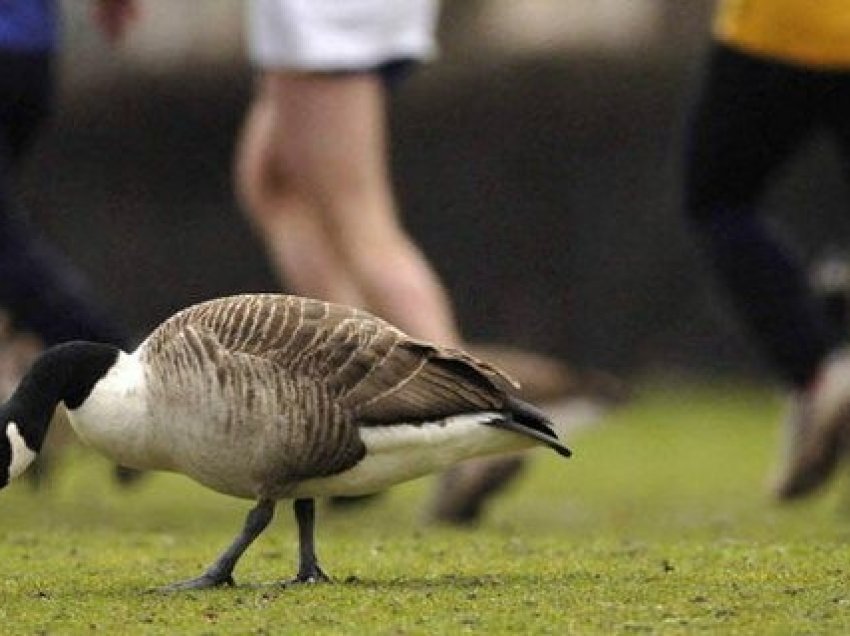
(660, 523)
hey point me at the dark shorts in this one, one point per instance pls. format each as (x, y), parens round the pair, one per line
(751, 115)
(392, 73)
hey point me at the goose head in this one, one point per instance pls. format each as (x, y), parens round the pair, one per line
(16, 454)
(64, 373)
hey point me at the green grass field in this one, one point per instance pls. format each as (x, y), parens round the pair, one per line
(659, 524)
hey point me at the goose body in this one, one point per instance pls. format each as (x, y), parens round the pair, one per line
(268, 397)
(248, 458)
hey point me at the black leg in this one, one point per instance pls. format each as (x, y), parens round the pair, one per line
(221, 571)
(308, 567)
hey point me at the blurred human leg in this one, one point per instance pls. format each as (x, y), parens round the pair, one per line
(46, 299)
(42, 290)
(329, 138)
(312, 172)
(288, 224)
(750, 117)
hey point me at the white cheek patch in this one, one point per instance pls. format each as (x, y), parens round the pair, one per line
(22, 455)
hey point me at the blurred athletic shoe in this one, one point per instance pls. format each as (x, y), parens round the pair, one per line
(464, 489)
(575, 399)
(817, 430)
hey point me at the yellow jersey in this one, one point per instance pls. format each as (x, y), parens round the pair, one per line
(807, 32)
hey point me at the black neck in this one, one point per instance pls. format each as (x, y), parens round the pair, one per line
(64, 373)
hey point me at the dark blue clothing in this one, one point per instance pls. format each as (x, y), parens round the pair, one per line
(28, 26)
(41, 289)
(751, 116)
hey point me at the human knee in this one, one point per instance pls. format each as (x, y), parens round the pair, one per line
(261, 182)
(253, 183)
(262, 191)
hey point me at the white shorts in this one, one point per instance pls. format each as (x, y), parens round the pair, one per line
(339, 35)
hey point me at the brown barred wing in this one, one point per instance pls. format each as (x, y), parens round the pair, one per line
(415, 382)
(369, 368)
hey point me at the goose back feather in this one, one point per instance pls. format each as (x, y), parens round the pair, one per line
(292, 384)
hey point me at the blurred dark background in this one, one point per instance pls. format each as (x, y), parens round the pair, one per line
(537, 161)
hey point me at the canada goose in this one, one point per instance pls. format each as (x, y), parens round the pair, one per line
(270, 397)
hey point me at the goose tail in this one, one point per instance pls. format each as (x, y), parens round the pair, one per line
(525, 419)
